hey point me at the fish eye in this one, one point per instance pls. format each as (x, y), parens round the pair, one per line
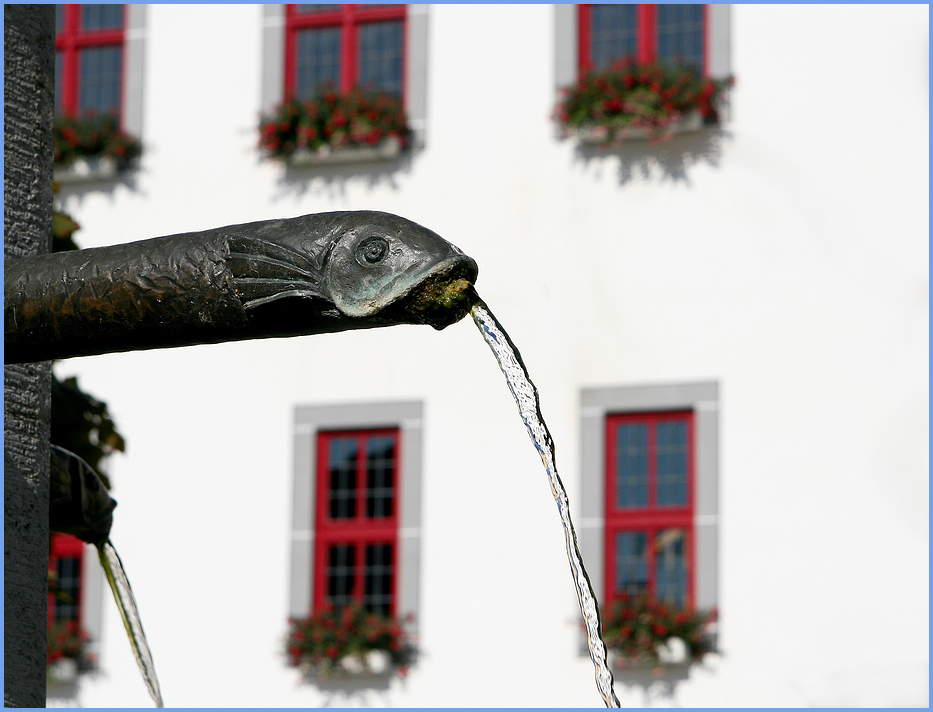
(373, 249)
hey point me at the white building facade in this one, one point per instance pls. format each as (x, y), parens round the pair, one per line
(767, 278)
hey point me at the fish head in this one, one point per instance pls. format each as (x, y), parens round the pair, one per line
(387, 265)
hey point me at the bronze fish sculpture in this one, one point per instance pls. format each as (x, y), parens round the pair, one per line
(314, 274)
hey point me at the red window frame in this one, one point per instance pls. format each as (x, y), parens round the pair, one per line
(646, 19)
(651, 519)
(69, 42)
(360, 530)
(348, 18)
(66, 546)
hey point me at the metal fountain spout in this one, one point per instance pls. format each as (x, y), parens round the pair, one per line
(308, 275)
(313, 274)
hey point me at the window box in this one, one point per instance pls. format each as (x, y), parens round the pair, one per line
(640, 71)
(385, 150)
(335, 128)
(374, 665)
(87, 170)
(92, 149)
(673, 653)
(64, 670)
(642, 632)
(348, 642)
(638, 101)
(599, 135)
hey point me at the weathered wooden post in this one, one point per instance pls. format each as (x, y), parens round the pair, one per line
(29, 51)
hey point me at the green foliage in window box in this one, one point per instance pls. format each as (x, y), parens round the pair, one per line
(333, 121)
(635, 627)
(633, 100)
(93, 137)
(344, 639)
(66, 640)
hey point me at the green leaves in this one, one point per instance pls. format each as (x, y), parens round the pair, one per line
(630, 97)
(93, 137)
(333, 120)
(635, 626)
(82, 424)
(331, 634)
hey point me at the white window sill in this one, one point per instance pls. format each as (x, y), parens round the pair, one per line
(63, 671)
(325, 156)
(87, 170)
(596, 135)
(673, 654)
(376, 666)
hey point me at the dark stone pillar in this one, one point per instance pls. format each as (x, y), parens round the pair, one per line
(28, 64)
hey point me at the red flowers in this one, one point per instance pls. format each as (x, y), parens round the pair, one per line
(613, 104)
(616, 104)
(635, 627)
(330, 634)
(66, 640)
(332, 120)
(93, 137)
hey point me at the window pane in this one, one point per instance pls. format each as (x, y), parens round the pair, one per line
(613, 34)
(381, 56)
(680, 35)
(632, 465)
(671, 568)
(631, 563)
(59, 18)
(99, 88)
(318, 61)
(380, 466)
(342, 460)
(101, 17)
(68, 571)
(672, 463)
(341, 562)
(377, 581)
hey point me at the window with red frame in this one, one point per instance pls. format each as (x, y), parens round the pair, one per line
(649, 506)
(88, 59)
(65, 559)
(356, 519)
(668, 34)
(342, 47)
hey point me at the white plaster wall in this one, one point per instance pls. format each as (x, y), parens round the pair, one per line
(790, 265)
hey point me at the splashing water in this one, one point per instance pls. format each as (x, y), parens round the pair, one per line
(529, 406)
(123, 595)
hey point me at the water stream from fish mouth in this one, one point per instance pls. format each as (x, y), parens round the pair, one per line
(126, 602)
(529, 407)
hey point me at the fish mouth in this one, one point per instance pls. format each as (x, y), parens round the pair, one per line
(442, 297)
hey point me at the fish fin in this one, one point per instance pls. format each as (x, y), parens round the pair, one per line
(285, 255)
(265, 291)
(265, 271)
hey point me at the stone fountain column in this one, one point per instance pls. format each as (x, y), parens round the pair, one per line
(29, 55)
